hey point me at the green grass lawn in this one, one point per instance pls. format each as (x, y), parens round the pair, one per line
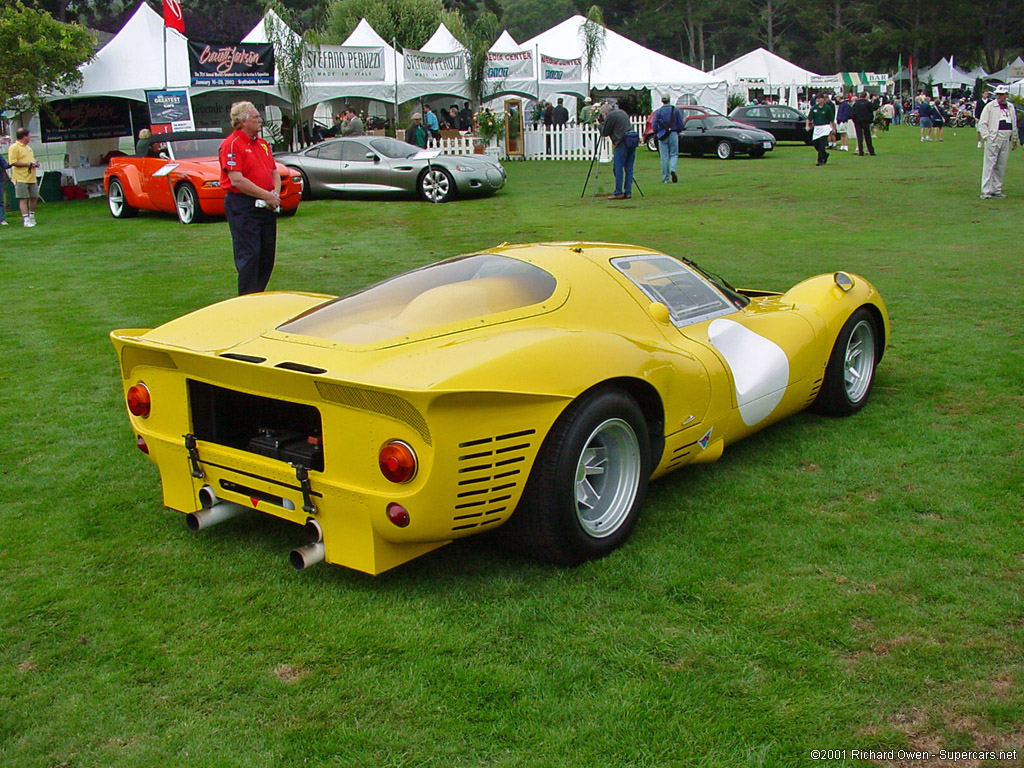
(844, 584)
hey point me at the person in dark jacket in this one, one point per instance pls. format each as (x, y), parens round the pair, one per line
(416, 133)
(863, 114)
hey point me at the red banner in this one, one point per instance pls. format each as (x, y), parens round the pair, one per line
(173, 16)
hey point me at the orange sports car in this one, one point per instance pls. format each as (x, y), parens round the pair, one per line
(179, 173)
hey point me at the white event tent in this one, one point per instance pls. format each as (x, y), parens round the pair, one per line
(519, 81)
(763, 70)
(626, 65)
(133, 61)
(1012, 71)
(947, 76)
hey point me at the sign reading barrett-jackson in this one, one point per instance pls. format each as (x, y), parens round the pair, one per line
(341, 63)
(231, 63)
(98, 117)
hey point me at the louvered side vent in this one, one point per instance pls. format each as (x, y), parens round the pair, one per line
(680, 455)
(814, 392)
(491, 471)
(133, 356)
(383, 403)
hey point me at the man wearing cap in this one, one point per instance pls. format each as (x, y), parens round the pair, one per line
(667, 123)
(416, 134)
(998, 129)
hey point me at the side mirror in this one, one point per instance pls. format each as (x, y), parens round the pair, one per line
(373, 156)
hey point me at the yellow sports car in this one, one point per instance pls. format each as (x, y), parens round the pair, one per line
(533, 387)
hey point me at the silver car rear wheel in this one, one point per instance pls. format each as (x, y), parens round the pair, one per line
(607, 478)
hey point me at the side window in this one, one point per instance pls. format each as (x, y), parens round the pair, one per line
(330, 151)
(353, 152)
(760, 112)
(781, 113)
(693, 124)
(688, 296)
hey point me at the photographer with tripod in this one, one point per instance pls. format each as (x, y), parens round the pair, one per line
(624, 141)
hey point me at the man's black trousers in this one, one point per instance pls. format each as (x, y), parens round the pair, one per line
(254, 240)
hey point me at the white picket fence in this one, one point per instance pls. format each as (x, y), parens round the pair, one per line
(568, 142)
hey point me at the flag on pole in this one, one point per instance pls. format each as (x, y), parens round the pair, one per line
(173, 16)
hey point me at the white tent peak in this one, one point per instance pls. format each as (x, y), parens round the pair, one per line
(946, 75)
(762, 63)
(258, 34)
(130, 64)
(1005, 75)
(625, 64)
(505, 44)
(365, 35)
(443, 41)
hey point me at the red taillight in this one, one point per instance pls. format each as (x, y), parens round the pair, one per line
(397, 462)
(138, 400)
(398, 515)
(140, 441)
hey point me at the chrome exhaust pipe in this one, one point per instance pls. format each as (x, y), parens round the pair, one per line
(303, 557)
(207, 497)
(218, 512)
(314, 532)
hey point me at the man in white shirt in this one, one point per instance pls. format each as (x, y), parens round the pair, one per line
(998, 129)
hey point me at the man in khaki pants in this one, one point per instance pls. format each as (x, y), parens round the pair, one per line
(998, 129)
(23, 174)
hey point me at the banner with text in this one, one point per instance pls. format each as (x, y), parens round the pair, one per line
(98, 117)
(436, 68)
(231, 63)
(570, 70)
(344, 63)
(170, 111)
(510, 66)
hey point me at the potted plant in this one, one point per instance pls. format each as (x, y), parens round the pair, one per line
(489, 126)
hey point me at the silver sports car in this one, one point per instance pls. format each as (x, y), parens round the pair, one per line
(382, 164)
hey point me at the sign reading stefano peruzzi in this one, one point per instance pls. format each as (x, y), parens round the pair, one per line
(231, 63)
(341, 63)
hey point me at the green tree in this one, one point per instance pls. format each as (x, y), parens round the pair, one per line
(527, 18)
(592, 33)
(38, 54)
(409, 22)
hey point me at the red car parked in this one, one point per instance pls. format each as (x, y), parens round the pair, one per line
(179, 173)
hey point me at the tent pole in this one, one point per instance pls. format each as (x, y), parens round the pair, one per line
(165, 56)
(394, 51)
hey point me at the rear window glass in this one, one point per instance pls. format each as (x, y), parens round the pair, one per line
(689, 297)
(448, 295)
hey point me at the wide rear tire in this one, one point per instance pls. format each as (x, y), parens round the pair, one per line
(588, 483)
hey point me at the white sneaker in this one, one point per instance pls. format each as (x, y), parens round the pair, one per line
(4, 223)
(979, 145)
(33, 217)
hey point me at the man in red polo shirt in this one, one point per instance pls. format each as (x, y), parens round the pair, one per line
(249, 174)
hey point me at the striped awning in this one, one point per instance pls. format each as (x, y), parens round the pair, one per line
(851, 79)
